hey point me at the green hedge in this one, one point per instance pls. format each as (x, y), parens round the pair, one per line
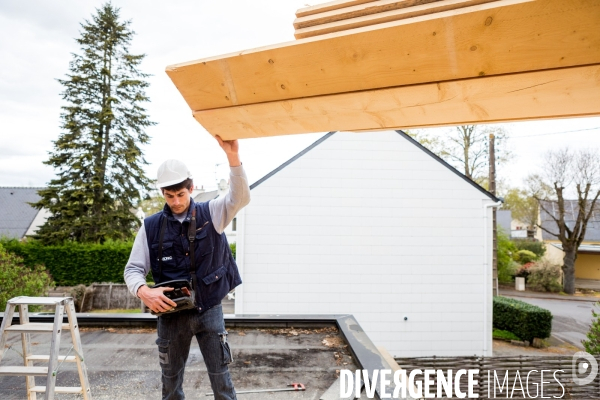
(538, 248)
(524, 320)
(72, 263)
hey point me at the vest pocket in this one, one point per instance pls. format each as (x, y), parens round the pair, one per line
(215, 275)
(203, 246)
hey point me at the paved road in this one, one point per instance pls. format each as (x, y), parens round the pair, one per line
(572, 319)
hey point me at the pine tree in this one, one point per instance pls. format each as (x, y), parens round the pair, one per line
(98, 157)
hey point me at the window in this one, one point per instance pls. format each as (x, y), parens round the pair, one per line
(234, 224)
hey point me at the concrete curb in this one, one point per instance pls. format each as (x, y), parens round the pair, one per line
(548, 296)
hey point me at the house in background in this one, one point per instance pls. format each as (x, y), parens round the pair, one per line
(17, 218)
(587, 265)
(374, 225)
(504, 220)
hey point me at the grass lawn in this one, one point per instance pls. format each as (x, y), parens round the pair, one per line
(118, 311)
(504, 335)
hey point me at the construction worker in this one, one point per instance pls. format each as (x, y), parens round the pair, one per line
(212, 269)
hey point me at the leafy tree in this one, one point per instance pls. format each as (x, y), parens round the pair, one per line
(522, 205)
(569, 173)
(17, 279)
(506, 250)
(592, 343)
(98, 157)
(466, 148)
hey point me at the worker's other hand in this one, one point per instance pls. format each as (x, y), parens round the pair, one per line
(155, 299)
(231, 149)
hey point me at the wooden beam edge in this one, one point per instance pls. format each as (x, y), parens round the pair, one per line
(332, 112)
(415, 20)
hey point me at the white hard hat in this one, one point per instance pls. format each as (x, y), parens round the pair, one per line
(172, 172)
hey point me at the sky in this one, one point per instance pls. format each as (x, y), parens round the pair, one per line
(37, 38)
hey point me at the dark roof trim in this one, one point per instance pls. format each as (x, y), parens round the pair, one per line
(291, 160)
(445, 164)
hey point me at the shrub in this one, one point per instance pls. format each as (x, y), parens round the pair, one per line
(524, 320)
(77, 293)
(524, 270)
(506, 249)
(233, 248)
(17, 279)
(544, 276)
(507, 274)
(525, 256)
(592, 344)
(73, 263)
(76, 263)
(536, 247)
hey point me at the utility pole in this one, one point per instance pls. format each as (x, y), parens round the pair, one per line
(492, 179)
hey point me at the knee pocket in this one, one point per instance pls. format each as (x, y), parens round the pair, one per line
(163, 351)
(227, 357)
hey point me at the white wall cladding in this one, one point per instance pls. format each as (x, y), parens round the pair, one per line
(369, 224)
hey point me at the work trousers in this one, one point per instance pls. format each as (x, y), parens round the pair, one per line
(175, 332)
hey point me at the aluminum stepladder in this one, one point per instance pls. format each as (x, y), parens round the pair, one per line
(25, 328)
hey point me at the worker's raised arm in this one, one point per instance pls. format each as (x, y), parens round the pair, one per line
(224, 209)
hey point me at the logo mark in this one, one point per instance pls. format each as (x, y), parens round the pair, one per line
(584, 363)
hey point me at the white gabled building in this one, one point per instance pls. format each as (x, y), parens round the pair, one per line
(374, 225)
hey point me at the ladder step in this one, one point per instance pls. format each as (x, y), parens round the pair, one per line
(58, 389)
(23, 371)
(47, 358)
(34, 327)
(42, 301)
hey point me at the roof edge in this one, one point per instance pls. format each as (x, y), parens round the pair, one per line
(445, 164)
(291, 160)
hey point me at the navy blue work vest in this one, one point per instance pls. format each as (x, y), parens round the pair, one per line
(216, 270)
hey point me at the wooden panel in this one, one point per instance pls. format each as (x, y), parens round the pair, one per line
(541, 34)
(332, 5)
(395, 15)
(566, 92)
(356, 11)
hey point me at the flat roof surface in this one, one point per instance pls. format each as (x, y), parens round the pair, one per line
(123, 363)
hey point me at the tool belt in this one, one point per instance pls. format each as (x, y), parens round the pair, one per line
(183, 292)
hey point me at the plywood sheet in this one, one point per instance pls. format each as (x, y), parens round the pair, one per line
(536, 35)
(565, 92)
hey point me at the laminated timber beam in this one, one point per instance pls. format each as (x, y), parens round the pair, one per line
(476, 42)
(559, 93)
(337, 21)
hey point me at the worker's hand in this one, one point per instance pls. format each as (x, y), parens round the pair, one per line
(155, 299)
(231, 148)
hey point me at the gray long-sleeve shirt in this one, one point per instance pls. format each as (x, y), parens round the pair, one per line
(222, 210)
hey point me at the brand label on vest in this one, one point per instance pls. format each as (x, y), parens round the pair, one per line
(168, 258)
